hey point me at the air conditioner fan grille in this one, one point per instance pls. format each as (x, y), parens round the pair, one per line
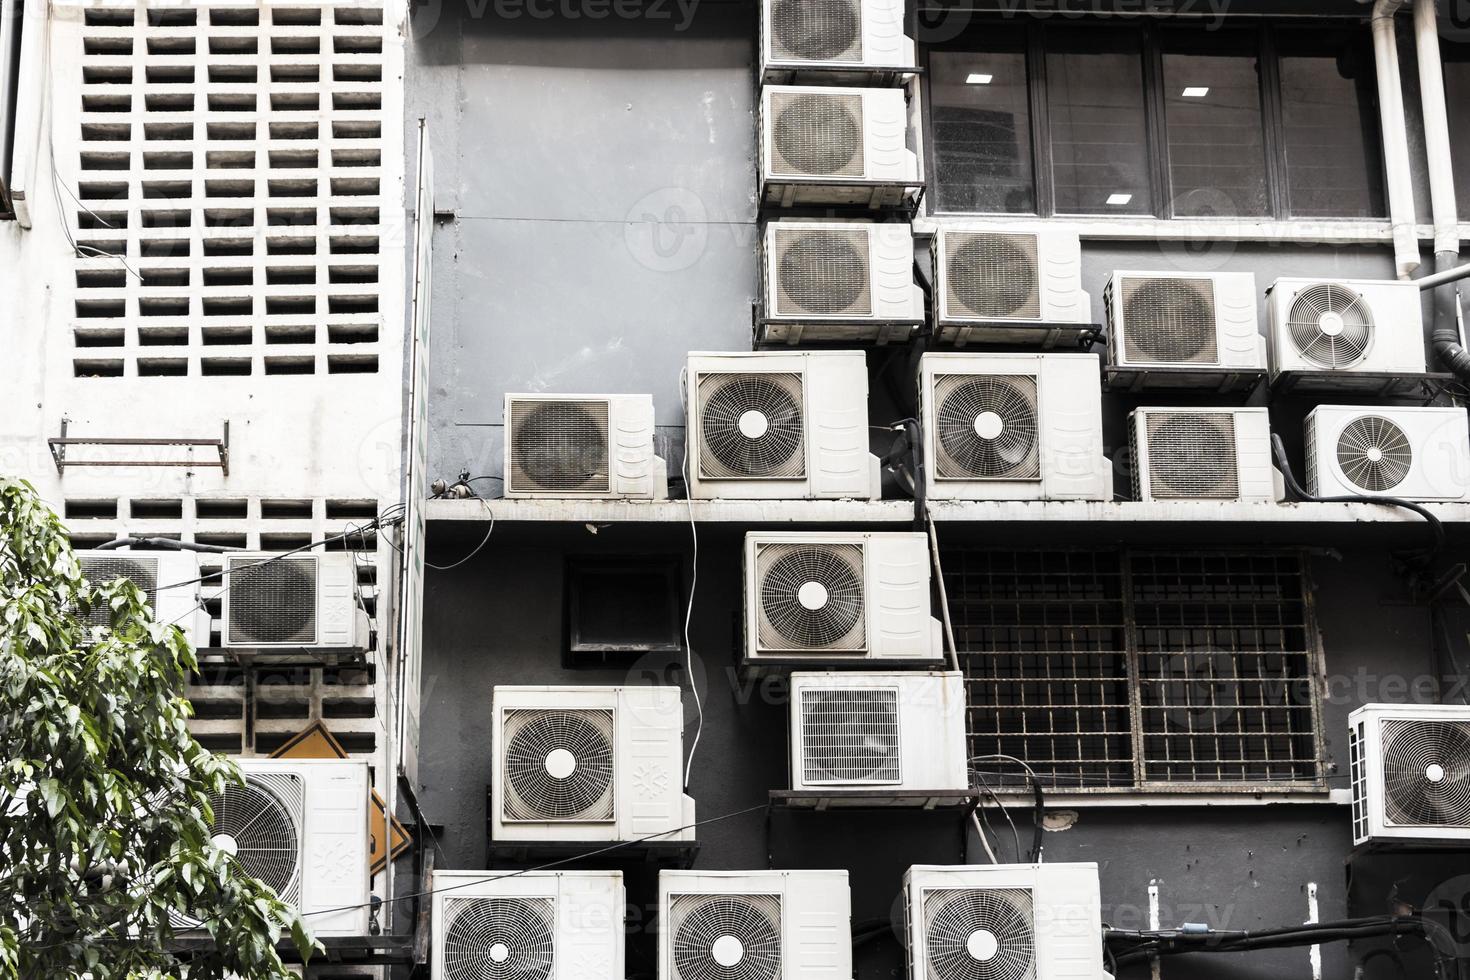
(992, 276)
(499, 939)
(751, 426)
(980, 934)
(850, 735)
(1192, 455)
(1426, 773)
(816, 135)
(1168, 321)
(1330, 325)
(823, 272)
(272, 602)
(987, 427)
(1374, 454)
(810, 597)
(98, 570)
(558, 765)
(559, 445)
(816, 30)
(726, 937)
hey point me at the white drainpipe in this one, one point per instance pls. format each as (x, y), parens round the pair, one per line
(1397, 171)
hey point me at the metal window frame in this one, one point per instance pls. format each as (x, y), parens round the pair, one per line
(1156, 124)
(1313, 676)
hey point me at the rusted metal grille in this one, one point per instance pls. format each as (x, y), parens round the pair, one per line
(1106, 670)
(1041, 638)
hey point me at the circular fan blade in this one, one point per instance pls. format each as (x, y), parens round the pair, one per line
(1374, 453)
(560, 446)
(823, 272)
(812, 597)
(728, 937)
(752, 425)
(1426, 773)
(499, 939)
(816, 30)
(1192, 455)
(273, 602)
(1168, 320)
(987, 429)
(560, 766)
(980, 935)
(817, 134)
(254, 825)
(1330, 325)
(994, 276)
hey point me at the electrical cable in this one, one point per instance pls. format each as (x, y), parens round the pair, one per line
(1015, 834)
(1038, 815)
(693, 582)
(483, 541)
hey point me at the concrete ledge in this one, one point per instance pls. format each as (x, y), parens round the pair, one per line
(944, 511)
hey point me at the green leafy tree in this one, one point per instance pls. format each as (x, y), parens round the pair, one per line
(104, 794)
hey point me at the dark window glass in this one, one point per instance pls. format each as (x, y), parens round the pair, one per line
(1333, 160)
(1215, 133)
(981, 129)
(1099, 133)
(1457, 95)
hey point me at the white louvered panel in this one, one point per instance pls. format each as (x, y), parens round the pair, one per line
(233, 155)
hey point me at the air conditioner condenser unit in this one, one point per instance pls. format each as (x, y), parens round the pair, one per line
(533, 925)
(582, 446)
(300, 826)
(1039, 921)
(903, 730)
(754, 925)
(1203, 454)
(839, 281)
(304, 600)
(1013, 427)
(839, 595)
(1201, 321)
(588, 764)
(169, 581)
(831, 145)
(999, 284)
(1411, 452)
(1346, 325)
(779, 425)
(852, 35)
(1410, 773)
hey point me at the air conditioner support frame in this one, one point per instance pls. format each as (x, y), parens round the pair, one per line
(221, 446)
(848, 75)
(1423, 388)
(1218, 381)
(769, 666)
(781, 334)
(967, 335)
(598, 854)
(259, 658)
(350, 950)
(881, 800)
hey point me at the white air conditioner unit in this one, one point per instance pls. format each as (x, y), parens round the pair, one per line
(1202, 454)
(300, 826)
(153, 572)
(779, 425)
(838, 594)
(303, 600)
(582, 446)
(533, 925)
(903, 730)
(1410, 772)
(845, 34)
(1002, 921)
(992, 276)
(835, 281)
(1013, 427)
(1184, 320)
(754, 925)
(1346, 325)
(588, 764)
(834, 145)
(1415, 453)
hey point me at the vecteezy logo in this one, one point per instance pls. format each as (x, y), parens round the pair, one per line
(1447, 916)
(667, 230)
